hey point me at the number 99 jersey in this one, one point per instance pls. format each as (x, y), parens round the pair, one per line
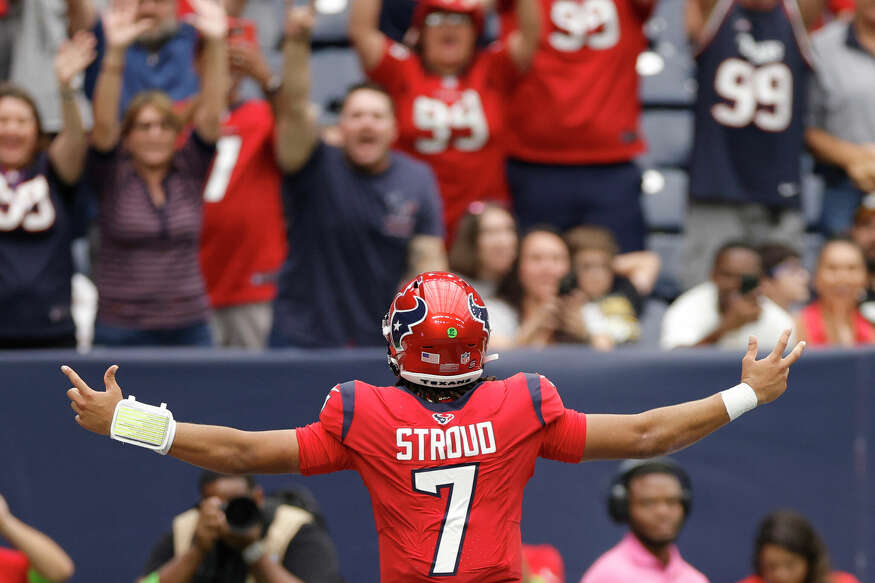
(446, 479)
(753, 68)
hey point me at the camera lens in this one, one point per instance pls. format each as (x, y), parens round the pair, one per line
(242, 513)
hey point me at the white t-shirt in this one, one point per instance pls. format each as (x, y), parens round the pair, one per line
(694, 315)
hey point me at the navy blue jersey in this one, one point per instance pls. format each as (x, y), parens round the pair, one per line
(348, 244)
(35, 258)
(753, 68)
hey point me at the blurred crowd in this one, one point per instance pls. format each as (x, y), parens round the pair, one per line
(610, 173)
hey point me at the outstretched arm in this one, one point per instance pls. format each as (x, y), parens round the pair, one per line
(668, 429)
(220, 449)
(523, 42)
(44, 554)
(364, 32)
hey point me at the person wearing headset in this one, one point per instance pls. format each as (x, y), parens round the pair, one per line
(653, 497)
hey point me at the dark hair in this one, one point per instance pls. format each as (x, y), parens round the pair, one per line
(367, 86)
(791, 531)
(774, 254)
(463, 255)
(732, 245)
(207, 477)
(16, 92)
(510, 289)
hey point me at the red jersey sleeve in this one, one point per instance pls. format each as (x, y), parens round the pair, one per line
(392, 72)
(13, 566)
(338, 409)
(565, 438)
(319, 452)
(552, 407)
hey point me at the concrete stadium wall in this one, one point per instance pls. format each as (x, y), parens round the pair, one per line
(107, 503)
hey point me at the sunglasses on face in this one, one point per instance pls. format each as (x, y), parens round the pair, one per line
(446, 18)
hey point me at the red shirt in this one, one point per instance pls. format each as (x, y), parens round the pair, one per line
(243, 243)
(578, 104)
(454, 124)
(812, 317)
(544, 563)
(13, 566)
(446, 480)
(837, 577)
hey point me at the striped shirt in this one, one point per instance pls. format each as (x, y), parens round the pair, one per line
(148, 274)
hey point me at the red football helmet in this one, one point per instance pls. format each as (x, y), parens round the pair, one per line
(472, 8)
(437, 329)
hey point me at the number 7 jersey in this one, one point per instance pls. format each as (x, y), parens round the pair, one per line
(446, 479)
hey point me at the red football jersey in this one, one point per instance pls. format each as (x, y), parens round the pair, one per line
(13, 566)
(578, 104)
(446, 479)
(243, 242)
(454, 124)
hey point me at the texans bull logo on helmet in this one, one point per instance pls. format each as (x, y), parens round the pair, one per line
(479, 312)
(404, 320)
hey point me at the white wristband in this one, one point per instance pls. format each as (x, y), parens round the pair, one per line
(143, 425)
(739, 400)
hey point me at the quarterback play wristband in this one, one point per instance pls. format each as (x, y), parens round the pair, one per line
(739, 400)
(143, 425)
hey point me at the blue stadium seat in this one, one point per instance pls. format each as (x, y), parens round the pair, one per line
(664, 197)
(333, 70)
(669, 247)
(673, 85)
(812, 199)
(332, 18)
(669, 134)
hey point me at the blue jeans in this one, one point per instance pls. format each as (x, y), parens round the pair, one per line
(840, 200)
(193, 335)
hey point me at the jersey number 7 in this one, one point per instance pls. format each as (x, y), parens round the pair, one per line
(460, 480)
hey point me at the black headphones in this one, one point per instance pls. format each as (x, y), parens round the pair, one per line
(618, 494)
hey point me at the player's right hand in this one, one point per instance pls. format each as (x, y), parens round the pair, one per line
(94, 409)
(768, 376)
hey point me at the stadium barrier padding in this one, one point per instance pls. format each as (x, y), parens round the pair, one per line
(107, 503)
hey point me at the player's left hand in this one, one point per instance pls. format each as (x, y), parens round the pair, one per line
(768, 376)
(94, 409)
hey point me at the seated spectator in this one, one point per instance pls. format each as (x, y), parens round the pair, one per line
(37, 185)
(787, 549)
(243, 242)
(542, 564)
(362, 213)
(528, 309)
(653, 497)
(834, 318)
(613, 304)
(485, 246)
(34, 557)
(159, 55)
(236, 534)
(841, 122)
(150, 194)
(863, 234)
(785, 279)
(729, 308)
(449, 95)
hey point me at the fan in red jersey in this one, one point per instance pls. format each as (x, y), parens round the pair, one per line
(573, 120)
(444, 453)
(449, 95)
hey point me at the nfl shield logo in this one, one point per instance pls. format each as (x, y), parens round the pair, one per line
(443, 418)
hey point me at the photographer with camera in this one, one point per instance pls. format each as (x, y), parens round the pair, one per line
(237, 535)
(726, 310)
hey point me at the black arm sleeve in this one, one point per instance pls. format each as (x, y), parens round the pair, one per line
(311, 556)
(161, 553)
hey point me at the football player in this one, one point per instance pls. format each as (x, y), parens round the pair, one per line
(445, 453)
